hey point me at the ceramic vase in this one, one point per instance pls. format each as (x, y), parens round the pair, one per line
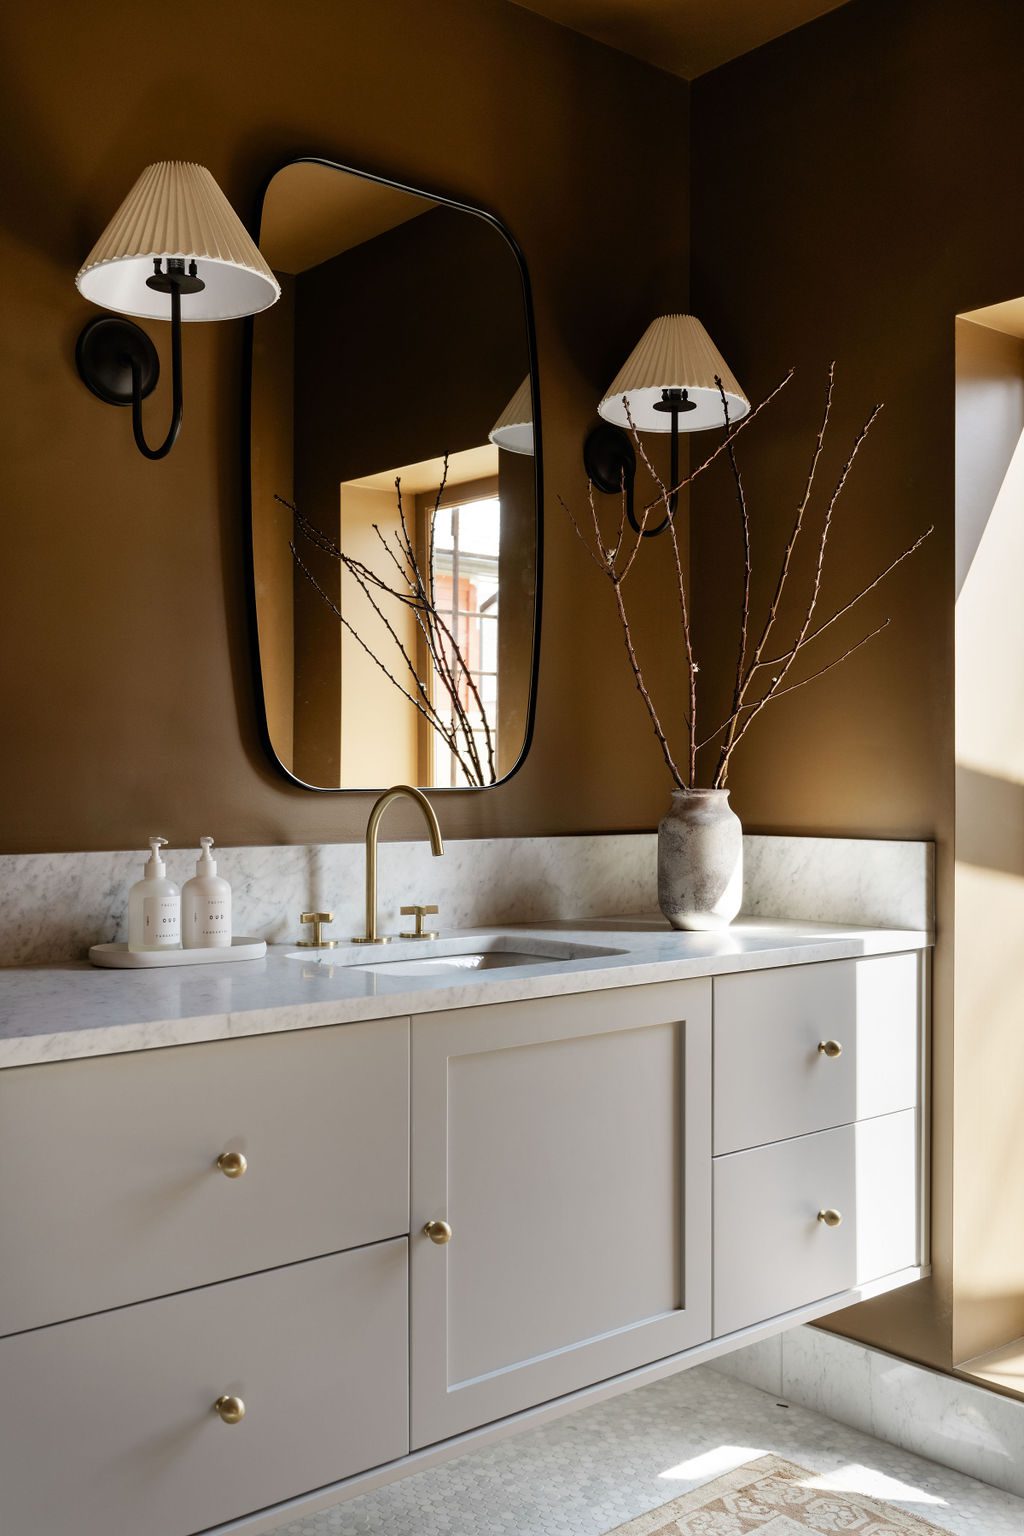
(700, 860)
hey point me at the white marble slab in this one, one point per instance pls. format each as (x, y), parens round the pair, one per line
(56, 1012)
(948, 1420)
(53, 906)
(840, 880)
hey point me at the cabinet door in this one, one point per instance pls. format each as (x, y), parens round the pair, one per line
(567, 1144)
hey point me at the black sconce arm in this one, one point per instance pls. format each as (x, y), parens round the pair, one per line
(119, 363)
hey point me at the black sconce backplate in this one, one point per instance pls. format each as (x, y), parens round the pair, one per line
(104, 356)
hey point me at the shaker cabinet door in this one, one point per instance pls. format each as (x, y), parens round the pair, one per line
(562, 1164)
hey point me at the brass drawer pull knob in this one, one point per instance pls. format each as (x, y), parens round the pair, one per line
(438, 1231)
(830, 1218)
(232, 1165)
(830, 1048)
(230, 1409)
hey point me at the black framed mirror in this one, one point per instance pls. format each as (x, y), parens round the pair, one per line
(395, 627)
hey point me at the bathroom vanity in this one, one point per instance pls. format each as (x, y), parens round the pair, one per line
(277, 1234)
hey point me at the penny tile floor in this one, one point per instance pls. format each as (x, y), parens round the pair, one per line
(589, 1472)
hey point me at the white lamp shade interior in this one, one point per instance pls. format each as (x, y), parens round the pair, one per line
(513, 429)
(176, 209)
(675, 352)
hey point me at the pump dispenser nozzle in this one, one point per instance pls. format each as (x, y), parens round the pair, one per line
(156, 869)
(206, 864)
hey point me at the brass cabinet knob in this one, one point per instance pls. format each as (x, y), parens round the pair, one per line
(438, 1231)
(830, 1048)
(232, 1164)
(230, 1409)
(830, 1218)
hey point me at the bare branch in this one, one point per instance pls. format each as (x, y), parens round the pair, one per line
(435, 722)
(443, 647)
(792, 687)
(684, 615)
(638, 678)
(911, 549)
(723, 767)
(741, 426)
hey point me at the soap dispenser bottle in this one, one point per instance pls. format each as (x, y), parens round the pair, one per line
(206, 905)
(154, 906)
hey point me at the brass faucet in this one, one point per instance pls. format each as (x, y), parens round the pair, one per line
(371, 935)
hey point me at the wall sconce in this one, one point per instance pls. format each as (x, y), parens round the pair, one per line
(513, 429)
(669, 382)
(174, 238)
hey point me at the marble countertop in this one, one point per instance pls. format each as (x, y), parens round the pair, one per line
(60, 1012)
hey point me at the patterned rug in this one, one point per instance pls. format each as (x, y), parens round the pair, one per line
(771, 1497)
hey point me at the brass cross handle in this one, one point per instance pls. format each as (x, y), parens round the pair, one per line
(419, 913)
(317, 941)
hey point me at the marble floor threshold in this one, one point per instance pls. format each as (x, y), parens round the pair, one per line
(592, 1471)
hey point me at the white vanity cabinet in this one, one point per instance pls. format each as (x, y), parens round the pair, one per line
(566, 1142)
(441, 1221)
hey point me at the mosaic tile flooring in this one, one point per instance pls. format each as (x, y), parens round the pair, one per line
(594, 1470)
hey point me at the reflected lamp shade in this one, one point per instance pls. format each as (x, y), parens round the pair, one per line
(513, 429)
(675, 353)
(176, 212)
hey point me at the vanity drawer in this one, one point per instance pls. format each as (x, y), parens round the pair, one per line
(773, 1253)
(110, 1191)
(107, 1424)
(771, 1079)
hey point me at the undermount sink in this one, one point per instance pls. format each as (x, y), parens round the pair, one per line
(457, 957)
(473, 960)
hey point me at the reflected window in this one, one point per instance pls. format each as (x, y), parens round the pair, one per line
(467, 540)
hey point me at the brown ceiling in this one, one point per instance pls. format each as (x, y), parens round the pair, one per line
(686, 37)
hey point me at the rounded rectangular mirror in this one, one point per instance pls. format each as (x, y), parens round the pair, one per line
(394, 517)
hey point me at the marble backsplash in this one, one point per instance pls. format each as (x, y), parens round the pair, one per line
(53, 906)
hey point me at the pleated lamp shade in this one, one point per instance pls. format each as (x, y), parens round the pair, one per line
(177, 210)
(675, 352)
(513, 429)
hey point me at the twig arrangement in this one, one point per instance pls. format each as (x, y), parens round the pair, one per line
(759, 678)
(411, 583)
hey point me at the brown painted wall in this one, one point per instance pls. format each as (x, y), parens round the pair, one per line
(125, 693)
(848, 202)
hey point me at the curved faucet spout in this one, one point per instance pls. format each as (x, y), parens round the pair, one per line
(397, 792)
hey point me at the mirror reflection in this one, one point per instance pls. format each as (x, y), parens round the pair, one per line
(393, 488)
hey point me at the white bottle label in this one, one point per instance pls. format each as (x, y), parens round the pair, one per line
(211, 923)
(161, 922)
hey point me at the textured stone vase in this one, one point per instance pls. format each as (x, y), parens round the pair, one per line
(700, 860)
